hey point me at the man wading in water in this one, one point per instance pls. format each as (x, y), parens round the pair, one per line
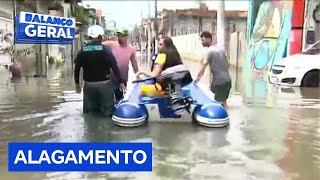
(15, 69)
(219, 66)
(97, 62)
(124, 53)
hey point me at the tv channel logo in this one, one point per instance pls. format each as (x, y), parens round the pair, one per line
(33, 28)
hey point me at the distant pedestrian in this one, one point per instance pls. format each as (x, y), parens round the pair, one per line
(219, 65)
(15, 69)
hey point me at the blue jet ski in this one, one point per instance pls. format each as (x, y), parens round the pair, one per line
(133, 109)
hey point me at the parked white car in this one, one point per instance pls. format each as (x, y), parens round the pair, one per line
(302, 69)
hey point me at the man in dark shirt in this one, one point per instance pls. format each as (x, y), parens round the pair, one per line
(97, 62)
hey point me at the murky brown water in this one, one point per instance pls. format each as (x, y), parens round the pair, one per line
(274, 133)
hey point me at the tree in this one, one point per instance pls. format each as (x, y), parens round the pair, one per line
(81, 14)
(12, 49)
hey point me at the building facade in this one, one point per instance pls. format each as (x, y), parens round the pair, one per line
(188, 21)
(172, 23)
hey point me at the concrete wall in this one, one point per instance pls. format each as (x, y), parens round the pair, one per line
(24, 51)
(208, 24)
(182, 26)
(6, 26)
(268, 43)
(237, 48)
(190, 47)
(191, 25)
(185, 33)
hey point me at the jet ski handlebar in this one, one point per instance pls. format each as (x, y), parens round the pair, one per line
(143, 79)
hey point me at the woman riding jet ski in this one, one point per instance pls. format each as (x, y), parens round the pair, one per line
(169, 72)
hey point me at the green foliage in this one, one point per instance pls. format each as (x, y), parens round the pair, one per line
(12, 52)
(82, 15)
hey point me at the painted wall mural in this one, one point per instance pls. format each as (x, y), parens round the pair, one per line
(270, 36)
(267, 44)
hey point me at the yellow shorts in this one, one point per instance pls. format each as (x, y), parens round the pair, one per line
(151, 90)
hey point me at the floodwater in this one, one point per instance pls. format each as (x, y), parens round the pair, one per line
(274, 133)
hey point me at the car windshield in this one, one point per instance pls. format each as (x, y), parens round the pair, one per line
(313, 50)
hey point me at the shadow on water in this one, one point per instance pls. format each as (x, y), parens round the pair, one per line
(273, 134)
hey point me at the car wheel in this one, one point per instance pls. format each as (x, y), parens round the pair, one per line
(311, 79)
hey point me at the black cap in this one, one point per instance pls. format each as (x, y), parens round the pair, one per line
(206, 34)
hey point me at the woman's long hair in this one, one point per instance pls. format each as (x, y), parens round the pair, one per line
(173, 57)
(171, 51)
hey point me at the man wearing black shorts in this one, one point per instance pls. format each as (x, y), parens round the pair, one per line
(219, 66)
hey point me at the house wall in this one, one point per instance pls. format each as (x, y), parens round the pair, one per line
(237, 48)
(6, 23)
(185, 25)
(190, 47)
(190, 25)
(309, 22)
(6, 26)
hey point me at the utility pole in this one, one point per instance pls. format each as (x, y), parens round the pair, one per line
(140, 36)
(221, 24)
(149, 41)
(149, 6)
(149, 35)
(14, 17)
(39, 49)
(155, 24)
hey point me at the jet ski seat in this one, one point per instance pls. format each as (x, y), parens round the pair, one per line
(172, 80)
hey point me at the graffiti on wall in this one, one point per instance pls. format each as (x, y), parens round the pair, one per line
(270, 36)
(267, 45)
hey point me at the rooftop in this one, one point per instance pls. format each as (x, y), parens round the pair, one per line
(203, 13)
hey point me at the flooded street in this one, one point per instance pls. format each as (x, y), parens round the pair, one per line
(274, 133)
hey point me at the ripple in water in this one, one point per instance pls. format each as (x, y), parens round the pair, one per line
(268, 138)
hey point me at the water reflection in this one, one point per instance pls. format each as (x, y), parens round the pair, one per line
(272, 135)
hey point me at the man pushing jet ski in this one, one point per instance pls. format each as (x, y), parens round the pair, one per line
(219, 66)
(97, 62)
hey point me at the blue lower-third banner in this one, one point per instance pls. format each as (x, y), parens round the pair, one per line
(36, 157)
